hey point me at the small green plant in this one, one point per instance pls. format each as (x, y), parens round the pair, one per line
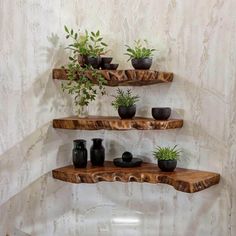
(125, 99)
(140, 50)
(96, 45)
(87, 44)
(166, 153)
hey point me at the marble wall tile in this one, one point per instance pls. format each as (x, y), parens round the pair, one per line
(196, 41)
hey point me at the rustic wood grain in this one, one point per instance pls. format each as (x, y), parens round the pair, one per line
(124, 77)
(184, 180)
(115, 123)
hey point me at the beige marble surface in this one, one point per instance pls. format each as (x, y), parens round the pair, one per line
(196, 41)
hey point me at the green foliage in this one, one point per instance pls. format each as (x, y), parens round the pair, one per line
(124, 99)
(78, 84)
(96, 45)
(139, 50)
(81, 86)
(166, 153)
(87, 44)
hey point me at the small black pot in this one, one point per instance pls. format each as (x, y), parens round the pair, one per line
(127, 112)
(79, 153)
(142, 63)
(97, 152)
(105, 60)
(167, 166)
(93, 61)
(161, 113)
(110, 66)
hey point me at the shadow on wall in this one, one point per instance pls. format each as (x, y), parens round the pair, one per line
(39, 206)
(50, 96)
(36, 155)
(30, 158)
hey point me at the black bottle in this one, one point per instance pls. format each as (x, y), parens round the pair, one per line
(79, 153)
(97, 152)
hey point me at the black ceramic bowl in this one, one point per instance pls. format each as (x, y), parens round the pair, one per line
(107, 66)
(127, 112)
(106, 60)
(142, 63)
(93, 61)
(161, 113)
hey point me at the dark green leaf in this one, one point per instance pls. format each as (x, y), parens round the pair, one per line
(66, 29)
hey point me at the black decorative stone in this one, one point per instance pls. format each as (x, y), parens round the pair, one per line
(133, 163)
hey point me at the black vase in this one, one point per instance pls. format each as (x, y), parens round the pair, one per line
(80, 154)
(97, 152)
(127, 112)
(167, 166)
(93, 61)
(142, 63)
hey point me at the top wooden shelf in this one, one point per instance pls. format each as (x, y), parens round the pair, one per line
(124, 77)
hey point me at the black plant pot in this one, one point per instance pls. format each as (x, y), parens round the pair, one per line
(142, 63)
(127, 112)
(93, 61)
(161, 113)
(97, 152)
(167, 166)
(80, 154)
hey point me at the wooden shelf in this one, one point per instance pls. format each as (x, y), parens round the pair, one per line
(184, 180)
(124, 77)
(115, 123)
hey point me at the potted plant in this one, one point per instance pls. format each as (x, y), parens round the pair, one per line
(79, 47)
(125, 103)
(88, 47)
(166, 157)
(96, 49)
(81, 87)
(140, 55)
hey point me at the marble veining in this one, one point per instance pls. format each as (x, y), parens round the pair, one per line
(196, 41)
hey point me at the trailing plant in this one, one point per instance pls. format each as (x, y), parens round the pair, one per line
(140, 50)
(87, 44)
(166, 153)
(81, 86)
(125, 99)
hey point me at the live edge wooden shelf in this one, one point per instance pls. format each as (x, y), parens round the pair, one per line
(184, 180)
(115, 123)
(124, 77)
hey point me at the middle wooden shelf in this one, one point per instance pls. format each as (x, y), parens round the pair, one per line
(115, 123)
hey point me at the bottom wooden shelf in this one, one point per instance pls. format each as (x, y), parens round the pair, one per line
(184, 180)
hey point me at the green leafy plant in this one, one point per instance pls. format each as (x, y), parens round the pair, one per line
(140, 50)
(96, 45)
(81, 86)
(87, 44)
(124, 99)
(166, 153)
(80, 41)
